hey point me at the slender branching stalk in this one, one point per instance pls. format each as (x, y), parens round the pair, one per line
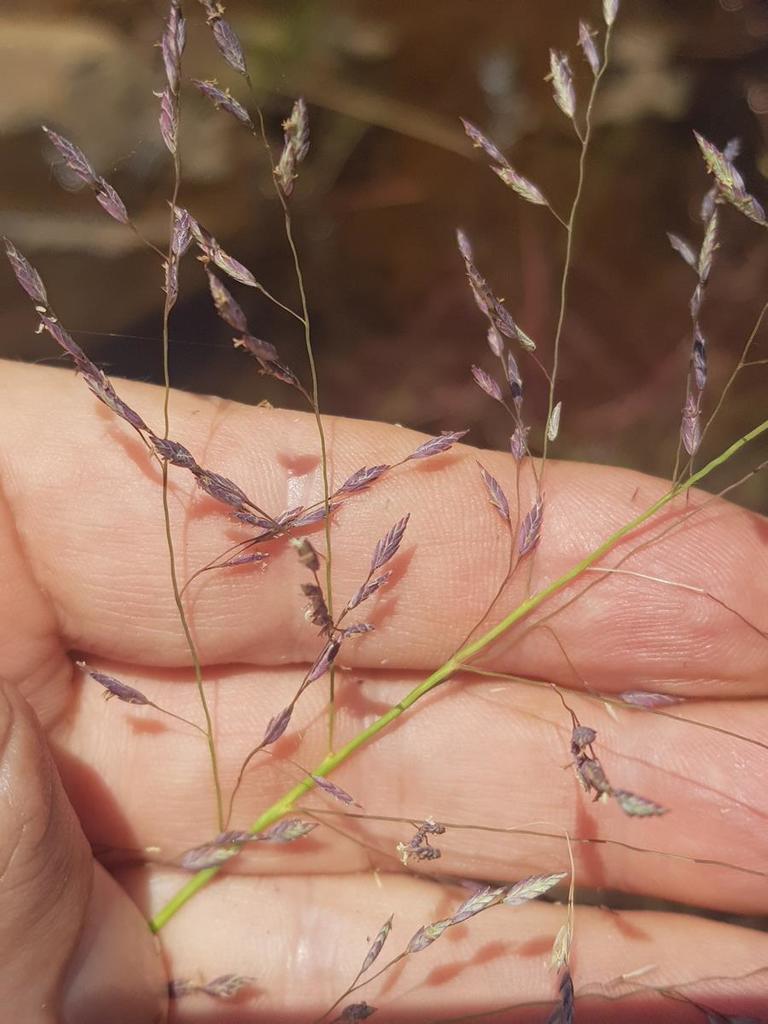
(617, 702)
(450, 667)
(170, 257)
(585, 137)
(523, 532)
(528, 829)
(315, 402)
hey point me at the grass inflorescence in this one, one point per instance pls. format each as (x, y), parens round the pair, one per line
(524, 514)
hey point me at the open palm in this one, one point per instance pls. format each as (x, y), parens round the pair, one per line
(85, 575)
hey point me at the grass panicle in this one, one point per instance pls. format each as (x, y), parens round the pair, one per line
(521, 511)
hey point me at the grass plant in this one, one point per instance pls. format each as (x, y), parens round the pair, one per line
(310, 531)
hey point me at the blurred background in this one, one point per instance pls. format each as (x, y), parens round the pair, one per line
(389, 177)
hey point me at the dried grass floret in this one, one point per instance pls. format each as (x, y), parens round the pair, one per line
(277, 726)
(487, 896)
(496, 495)
(636, 806)
(592, 777)
(709, 246)
(481, 141)
(334, 790)
(306, 553)
(518, 442)
(79, 165)
(437, 445)
(684, 249)
(115, 687)
(699, 360)
(730, 182)
(225, 36)
(226, 306)
(530, 888)
(323, 662)
(26, 275)
(489, 305)
(317, 611)
(501, 166)
(232, 313)
(368, 589)
(288, 831)
(524, 188)
(181, 234)
(530, 528)
(295, 147)
(487, 384)
(515, 381)
(646, 699)
(553, 423)
(226, 986)
(426, 935)
(74, 158)
(701, 263)
(563, 1012)
(313, 516)
(588, 48)
(356, 629)
(228, 844)
(495, 342)
(690, 426)
(168, 121)
(388, 546)
(354, 1012)
(172, 44)
(418, 846)
(209, 855)
(223, 100)
(362, 478)
(111, 202)
(562, 82)
(376, 946)
(610, 10)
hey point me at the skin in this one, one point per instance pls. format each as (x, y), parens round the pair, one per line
(85, 575)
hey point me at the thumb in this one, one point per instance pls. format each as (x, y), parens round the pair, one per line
(73, 948)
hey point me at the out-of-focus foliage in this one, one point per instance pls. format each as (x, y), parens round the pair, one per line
(389, 177)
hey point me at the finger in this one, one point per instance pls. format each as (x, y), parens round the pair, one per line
(72, 947)
(302, 941)
(482, 758)
(32, 652)
(88, 511)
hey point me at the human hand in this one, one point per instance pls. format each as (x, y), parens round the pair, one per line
(86, 573)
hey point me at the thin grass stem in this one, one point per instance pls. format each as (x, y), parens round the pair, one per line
(315, 401)
(192, 647)
(525, 830)
(585, 139)
(450, 667)
(616, 702)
